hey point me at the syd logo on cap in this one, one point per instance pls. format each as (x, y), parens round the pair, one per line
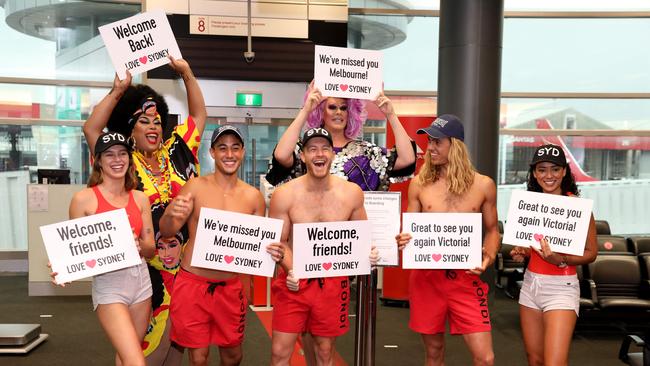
(113, 137)
(553, 151)
(317, 130)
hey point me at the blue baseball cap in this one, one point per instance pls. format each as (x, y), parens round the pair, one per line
(446, 125)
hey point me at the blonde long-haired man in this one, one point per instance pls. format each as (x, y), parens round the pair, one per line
(448, 182)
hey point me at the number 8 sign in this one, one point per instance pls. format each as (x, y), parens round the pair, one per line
(198, 25)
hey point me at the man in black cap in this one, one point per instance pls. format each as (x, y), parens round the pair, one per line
(208, 306)
(448, 182)
(319, 306)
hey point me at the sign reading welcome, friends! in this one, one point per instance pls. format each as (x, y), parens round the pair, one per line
(90, 245)
(235, 242)
(347, 72)
(331, 249)
(140, 43)
(563, 221)
(443, 240)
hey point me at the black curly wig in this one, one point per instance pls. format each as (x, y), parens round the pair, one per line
(129, 103)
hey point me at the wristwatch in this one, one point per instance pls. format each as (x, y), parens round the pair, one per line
(564, 263)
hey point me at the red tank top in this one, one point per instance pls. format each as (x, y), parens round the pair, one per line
(538, 265)
(132, 210)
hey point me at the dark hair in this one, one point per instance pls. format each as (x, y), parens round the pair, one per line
(129, 103)
(568, 184)
(96, 175)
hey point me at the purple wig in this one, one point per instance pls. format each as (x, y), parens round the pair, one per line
(357, 115)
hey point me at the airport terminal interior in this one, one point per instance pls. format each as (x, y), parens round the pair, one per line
(574, 73)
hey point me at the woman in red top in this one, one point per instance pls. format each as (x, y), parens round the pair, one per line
(549, 300)
(122, 298)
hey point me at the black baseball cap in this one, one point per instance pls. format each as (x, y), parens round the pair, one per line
(549, 153)
(108, 139)
(316, 132)
(226, 129)
(446, 125)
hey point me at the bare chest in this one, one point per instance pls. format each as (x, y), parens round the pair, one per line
(319, 208)
(435, 198)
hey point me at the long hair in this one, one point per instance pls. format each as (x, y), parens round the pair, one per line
(123, 111)
(568, 184)
(460, 171)
(96, 176)
(357, 115)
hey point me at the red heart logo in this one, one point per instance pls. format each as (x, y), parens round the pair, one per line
(91, 263)
(228, 258)
(327, 265)
(608, 245)
(538, 237)
(143, 60)
(344, 87)
(436, 257)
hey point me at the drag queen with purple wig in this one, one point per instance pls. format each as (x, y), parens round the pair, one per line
(372, 167)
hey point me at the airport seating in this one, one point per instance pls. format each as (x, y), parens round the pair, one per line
(612, 244)
(509, 269)
(602, 227)
(586, 302)
(639, 244)
(638, 357)
(616, 283)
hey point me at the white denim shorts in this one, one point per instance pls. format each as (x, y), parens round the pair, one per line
(125, 286)
(550, 292)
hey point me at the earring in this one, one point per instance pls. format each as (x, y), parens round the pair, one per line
(131, 141)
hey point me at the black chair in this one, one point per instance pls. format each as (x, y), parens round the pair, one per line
(510, 269)
(602, 227)
(612, 244)
(500, 225)
(616, 283)
(637, 358)
(639, 244)
(586, 302)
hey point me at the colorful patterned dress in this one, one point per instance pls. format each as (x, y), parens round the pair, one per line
(178, 162)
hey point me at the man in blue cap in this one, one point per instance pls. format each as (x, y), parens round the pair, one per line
(448, 182)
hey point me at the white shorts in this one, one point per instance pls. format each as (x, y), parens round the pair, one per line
(125, 286)
(550, 292)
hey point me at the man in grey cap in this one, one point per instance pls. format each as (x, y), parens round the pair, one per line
(448, 182)
(208, 306)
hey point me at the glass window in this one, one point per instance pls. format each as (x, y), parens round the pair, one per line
(409, 44)
(576, 55)
(58, 40)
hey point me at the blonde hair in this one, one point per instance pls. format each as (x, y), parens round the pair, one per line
(460, 171)
(96, 176)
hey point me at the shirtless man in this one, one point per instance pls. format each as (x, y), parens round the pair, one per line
(318, 306)
(447, 182)
(208, 306)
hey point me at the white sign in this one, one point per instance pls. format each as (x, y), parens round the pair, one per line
(140, 43)
(563, 221)
(37, 197)
(235, 242)
(347, 72)
(443, 240)
(331, 249)
(383, 210)
(90, 245)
